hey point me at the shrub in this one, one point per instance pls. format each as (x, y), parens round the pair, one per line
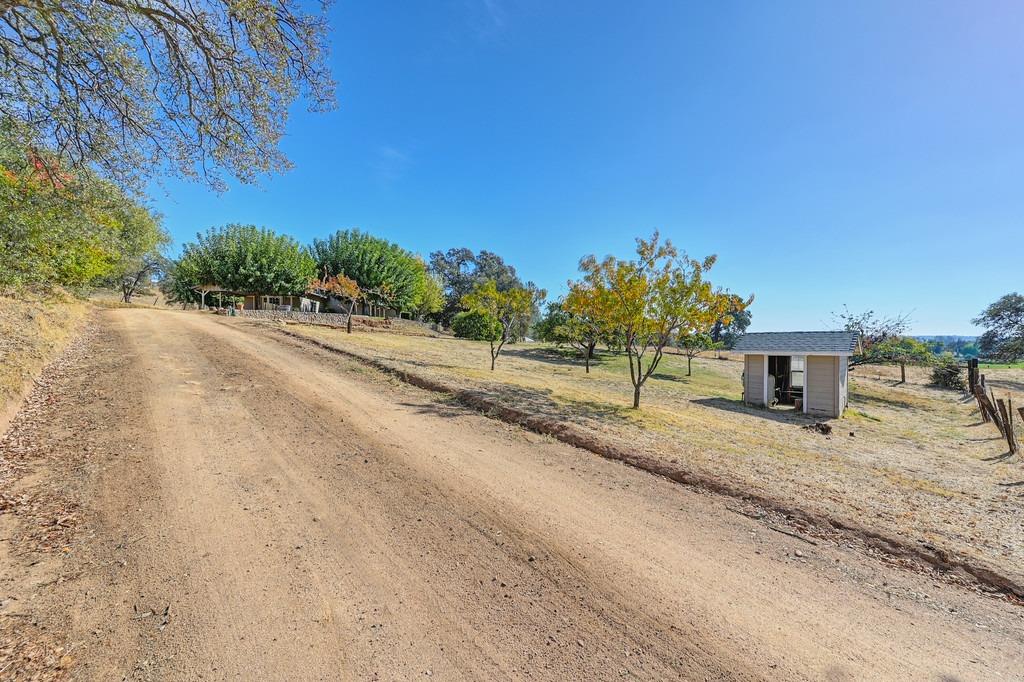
(947, 374)
(477, 326)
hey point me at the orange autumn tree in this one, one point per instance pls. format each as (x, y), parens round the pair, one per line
(340, 287)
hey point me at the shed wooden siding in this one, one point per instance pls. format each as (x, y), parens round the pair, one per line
(844, 385)
(822, 384)
(753, 383)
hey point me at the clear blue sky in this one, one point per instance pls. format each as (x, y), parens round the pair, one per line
(828, 152)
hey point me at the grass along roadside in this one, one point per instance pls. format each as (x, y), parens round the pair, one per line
(33, 331)
(909, 461)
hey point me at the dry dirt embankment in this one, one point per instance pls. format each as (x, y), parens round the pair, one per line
(33, 331)
(955, 565)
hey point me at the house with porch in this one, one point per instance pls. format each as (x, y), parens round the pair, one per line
(803, 371)
(308, 302)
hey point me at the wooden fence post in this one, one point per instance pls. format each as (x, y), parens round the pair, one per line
(989, 408)
(1008, 426)
(976, 392)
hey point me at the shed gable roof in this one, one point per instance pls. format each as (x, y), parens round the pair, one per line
(796, 343)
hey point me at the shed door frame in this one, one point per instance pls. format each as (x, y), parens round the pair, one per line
(805, 393)
(764, 379)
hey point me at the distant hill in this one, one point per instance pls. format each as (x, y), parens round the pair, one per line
(947, 337)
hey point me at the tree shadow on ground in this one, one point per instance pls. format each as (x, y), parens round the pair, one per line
(862, 398)
(680, 378)
(1005, 384)
(540, 403)
(529, 402)
(785, 416)
(998, 458)
(552, 356)
(447, 408)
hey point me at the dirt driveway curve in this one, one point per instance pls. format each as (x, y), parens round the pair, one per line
(258, 509)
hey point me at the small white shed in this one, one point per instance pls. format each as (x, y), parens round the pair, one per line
(807, 370)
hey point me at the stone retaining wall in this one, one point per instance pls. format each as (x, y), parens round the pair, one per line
(298, 316)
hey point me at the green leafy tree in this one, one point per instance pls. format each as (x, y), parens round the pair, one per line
(179, 281)
(693, 344)
(584, 328)
(245, 259)
(511, 308)
(649, 300)
(460, 271)
(732, 324)
(902, 351)
(387, 274)
(1003, 322)
(554, 317)
(431, 298)
(199, 87)
(61, 229)
(476, 326)
(141, 256)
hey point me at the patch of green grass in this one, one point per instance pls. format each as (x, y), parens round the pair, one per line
(1001, 365)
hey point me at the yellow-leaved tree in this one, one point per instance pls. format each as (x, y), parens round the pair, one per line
(649, 301)
(511, 308)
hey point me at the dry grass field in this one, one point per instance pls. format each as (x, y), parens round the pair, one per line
(910, 460)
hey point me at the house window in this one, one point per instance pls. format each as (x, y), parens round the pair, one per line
(796, 371)
(273, 300)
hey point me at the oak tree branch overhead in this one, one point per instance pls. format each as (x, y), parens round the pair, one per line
(199, 88)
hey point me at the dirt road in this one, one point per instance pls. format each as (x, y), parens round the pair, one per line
(255, 508)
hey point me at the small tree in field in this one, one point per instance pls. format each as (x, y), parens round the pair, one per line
(342, 288)
(871, 329)
(476, 326)
(693, 344)
(512, 309)
(900, 351)
(582, 329)
(648, 300)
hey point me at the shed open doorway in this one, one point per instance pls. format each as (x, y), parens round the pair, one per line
(786, 381)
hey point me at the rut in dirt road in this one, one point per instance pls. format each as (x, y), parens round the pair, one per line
(301, 517)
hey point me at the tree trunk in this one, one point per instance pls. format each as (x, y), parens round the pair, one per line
(590, 350)
(493, 358)
(903, 372)
(689, 368)
(348, 320)
(636, 397)
(586, 361)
